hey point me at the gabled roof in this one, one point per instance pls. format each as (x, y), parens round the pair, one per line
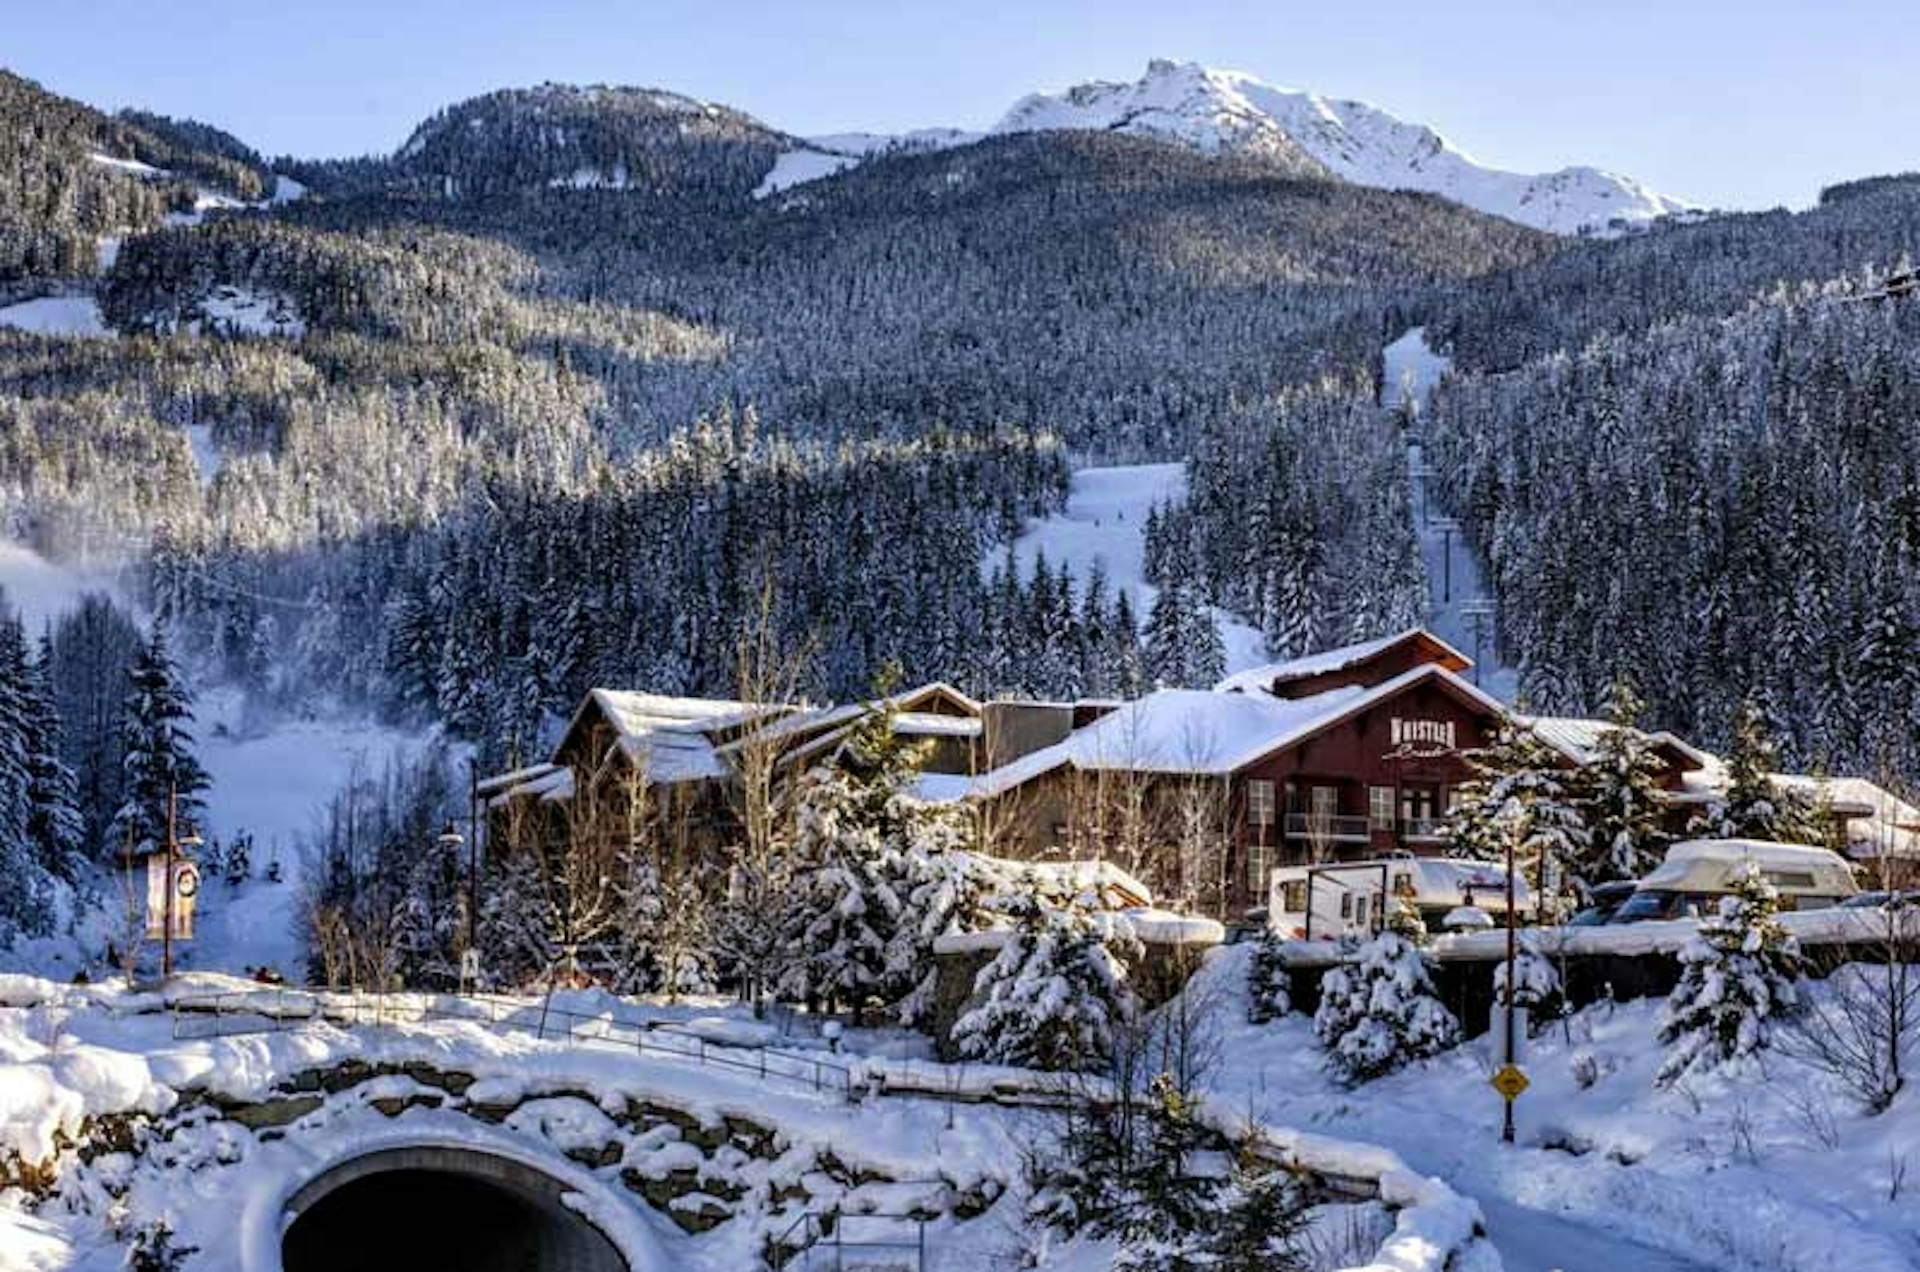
(1193, 731)
(673, 736)
(1578, 738)
(822, 728)
(1332, 660)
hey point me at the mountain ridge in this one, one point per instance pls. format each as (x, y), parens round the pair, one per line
(1219, 111)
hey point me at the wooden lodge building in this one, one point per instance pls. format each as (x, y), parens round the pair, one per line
(1344, 755)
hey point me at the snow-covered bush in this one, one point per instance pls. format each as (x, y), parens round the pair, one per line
(1269, 988)
(1052, 998)
(942, 890)
(1536, 987)
(1380, 1011)
(1739, 977)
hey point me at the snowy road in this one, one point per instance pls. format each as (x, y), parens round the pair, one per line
(1410, 371)
(1531, 1240)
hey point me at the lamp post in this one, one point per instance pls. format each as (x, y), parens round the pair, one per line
(449, 839)
(1506, 1125)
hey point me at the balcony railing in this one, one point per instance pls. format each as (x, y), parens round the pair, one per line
(1332, 827)
(1423, 830)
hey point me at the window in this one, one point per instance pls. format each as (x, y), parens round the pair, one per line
(1260, 801)
(1326, 801)
(1346, 905)
(1360, 912)
(1258, 864)
(1380, 807)
(1293, 894)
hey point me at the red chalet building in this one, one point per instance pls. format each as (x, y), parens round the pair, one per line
(1342, 755)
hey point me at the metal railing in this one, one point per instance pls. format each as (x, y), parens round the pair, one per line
(1423, 829)
(1328, 826)
(275, 1010)
(809, 1243)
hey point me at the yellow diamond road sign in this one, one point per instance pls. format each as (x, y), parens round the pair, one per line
(1509, 1081)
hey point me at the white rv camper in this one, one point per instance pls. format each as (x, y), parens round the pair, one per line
(1312, 903)
(1698, 872)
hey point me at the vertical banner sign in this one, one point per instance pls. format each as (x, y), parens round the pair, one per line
(186, 884)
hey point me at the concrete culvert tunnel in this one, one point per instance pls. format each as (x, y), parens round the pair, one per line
(408, 1209)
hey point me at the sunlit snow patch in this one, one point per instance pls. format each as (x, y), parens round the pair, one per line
(56, 316)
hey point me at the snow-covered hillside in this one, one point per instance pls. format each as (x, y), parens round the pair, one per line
(1104, 521)
(1232, 111)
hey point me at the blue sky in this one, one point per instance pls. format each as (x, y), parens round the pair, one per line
(1732, 104)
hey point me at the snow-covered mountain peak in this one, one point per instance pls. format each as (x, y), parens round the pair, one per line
(1219, 111)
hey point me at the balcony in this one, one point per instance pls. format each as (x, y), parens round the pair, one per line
(1423, 830)
(1328, 828)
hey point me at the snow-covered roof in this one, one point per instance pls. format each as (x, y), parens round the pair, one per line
(634, 714)
(1879, 823)
(831, 723)
(1328, 660)
(552, 786)
(1196, 731)
(1578, 738)
(504, 781)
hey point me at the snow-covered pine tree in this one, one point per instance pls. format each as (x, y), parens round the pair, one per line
(1739, 976)
(1754, 806)
(851, 820)
(516, 921)
(663, 941)
(23, 874)
(429, 925)
(1052, 998)
(55, 826)
(1536, 985)
(1263, 1214)
(1619, 796)
(158, 749)
(1269, 987)
(1171, 1218)
(1380, 1011)
(942, 890)
(1521, 792)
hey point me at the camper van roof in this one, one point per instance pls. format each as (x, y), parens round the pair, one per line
(1765, 852)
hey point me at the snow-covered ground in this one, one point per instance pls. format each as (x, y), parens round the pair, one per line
(1105, 520)
(1610, 1174)
(57, 316)
(1410, 370)
(779, 1148)
(270, 778)
(271, 781)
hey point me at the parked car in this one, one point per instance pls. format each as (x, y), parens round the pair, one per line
(1603, 903)
(1698, 872)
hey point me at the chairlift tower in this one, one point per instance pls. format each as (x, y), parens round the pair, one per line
(1479, 612)
(1447, 528)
